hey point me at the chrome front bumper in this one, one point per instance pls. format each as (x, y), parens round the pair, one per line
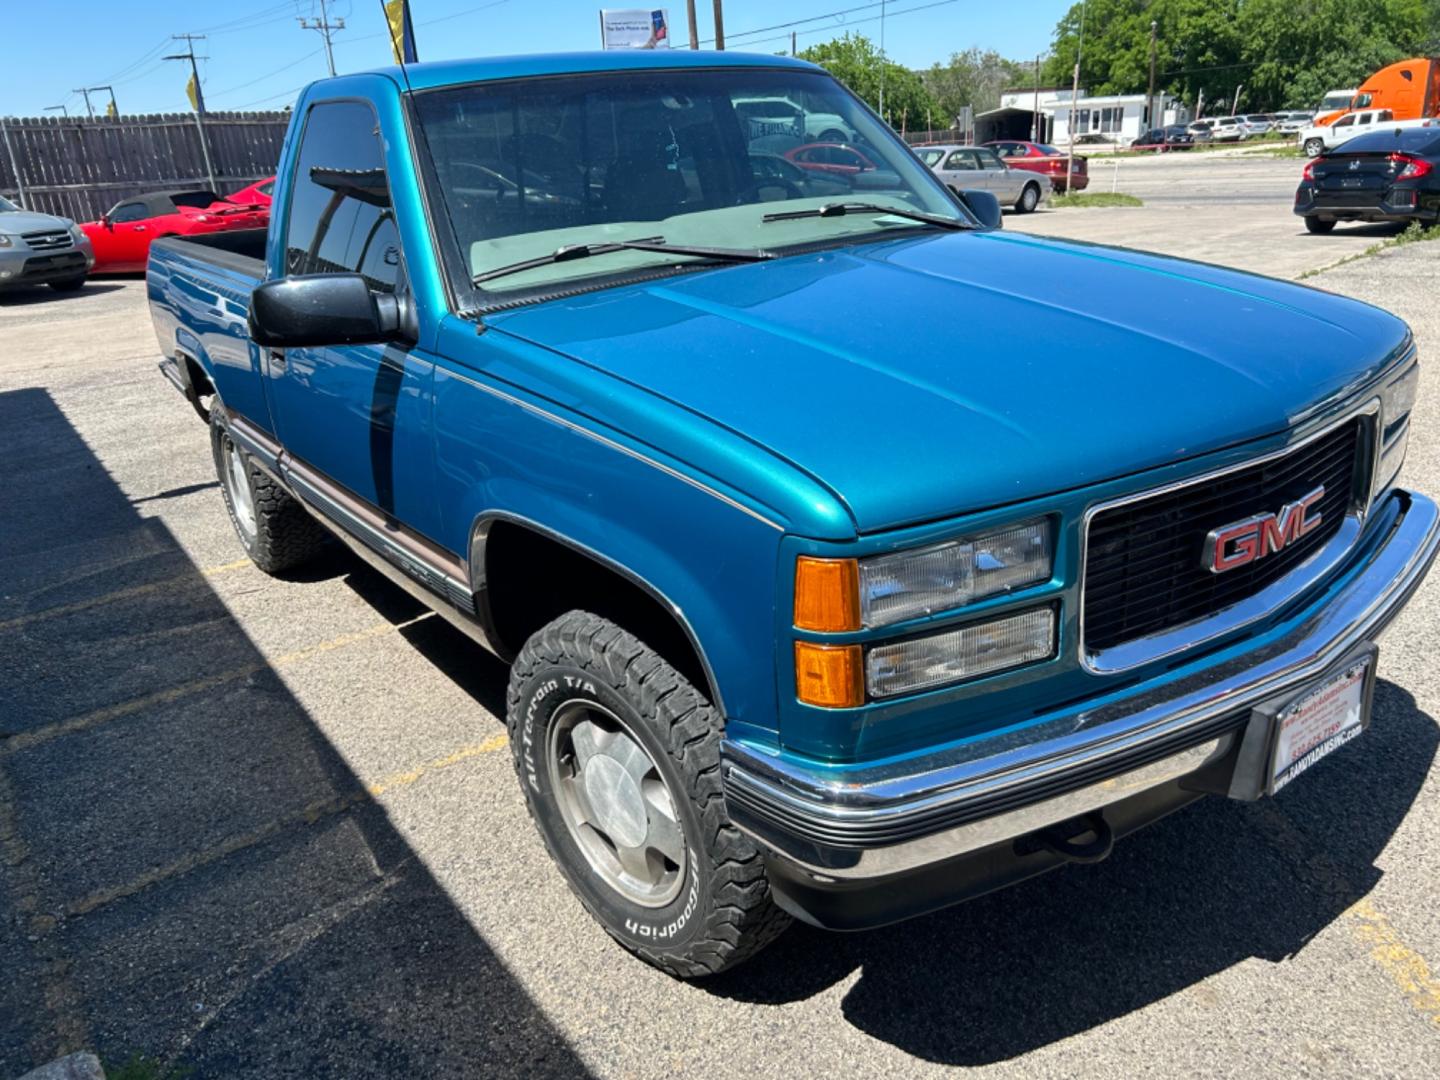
(848, 824)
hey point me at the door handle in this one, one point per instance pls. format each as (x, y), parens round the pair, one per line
(277, 360)
(140, 228)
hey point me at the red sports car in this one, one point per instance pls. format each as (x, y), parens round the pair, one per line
(1046, 160)
(258, 194)
(122, 237)
(836, 158)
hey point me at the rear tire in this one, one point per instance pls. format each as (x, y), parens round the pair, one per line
(1314, 147)
(833, 136)
(619, 758)
(1319, 226)
(276, 531)
(1029, 199)
(70, 284)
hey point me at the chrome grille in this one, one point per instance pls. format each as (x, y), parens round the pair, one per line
(1143, 569)
(47, 239)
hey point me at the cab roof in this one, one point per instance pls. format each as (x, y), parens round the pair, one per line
(442, 73)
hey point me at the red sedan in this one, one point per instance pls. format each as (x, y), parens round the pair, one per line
(122, 237)
(1046, 160)
(836, 158)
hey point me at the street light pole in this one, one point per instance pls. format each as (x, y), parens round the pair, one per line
(86, 94)
(58, 108)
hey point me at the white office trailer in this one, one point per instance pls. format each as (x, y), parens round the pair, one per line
(1117, 118)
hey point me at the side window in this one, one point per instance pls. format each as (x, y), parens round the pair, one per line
(341, 220)
(960, 159)
(133, 211)
(266, 188)
(1345, 121)
(1366, 118)
(988, 160)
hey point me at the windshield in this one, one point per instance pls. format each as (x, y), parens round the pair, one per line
(6, 205)
(930, 156)
(696, 157)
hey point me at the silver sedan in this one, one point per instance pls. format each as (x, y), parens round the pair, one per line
(978, 168)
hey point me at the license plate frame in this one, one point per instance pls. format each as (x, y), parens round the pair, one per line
(1315, 723)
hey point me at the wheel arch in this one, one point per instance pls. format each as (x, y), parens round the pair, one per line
(510, 553)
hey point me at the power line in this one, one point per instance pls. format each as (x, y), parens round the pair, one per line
(261, 78)
(795, 22)
(846, 25)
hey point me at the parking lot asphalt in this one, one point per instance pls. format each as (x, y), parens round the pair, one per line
(269, 828)
(1223, 208)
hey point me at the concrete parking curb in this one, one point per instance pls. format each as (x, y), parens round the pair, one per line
(81, 1066)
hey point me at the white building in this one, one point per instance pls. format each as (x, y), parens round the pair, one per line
(1117, 118)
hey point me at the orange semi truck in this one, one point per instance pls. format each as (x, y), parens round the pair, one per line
(1410, 89)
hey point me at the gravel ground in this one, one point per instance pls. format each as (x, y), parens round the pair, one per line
(270, 828)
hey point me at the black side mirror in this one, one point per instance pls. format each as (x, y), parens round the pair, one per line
(105, 220)
(323, 309)
(982, 205)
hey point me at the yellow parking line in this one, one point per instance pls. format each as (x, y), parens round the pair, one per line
(465, 753)
(120, 594)
(1407, 968)
(24, 740)
(306, 815)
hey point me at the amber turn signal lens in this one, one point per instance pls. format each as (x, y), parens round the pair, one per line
(831, 676)
(827, 594)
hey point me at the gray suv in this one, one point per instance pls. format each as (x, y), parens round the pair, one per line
(40, 249)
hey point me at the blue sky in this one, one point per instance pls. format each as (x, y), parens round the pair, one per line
(259, 56)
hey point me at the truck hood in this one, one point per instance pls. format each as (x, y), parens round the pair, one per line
(15, 222)
(928, 376)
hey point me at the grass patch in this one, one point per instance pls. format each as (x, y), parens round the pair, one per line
(1414, 233)
(140, 1067)
(1291, 151)
(1095, 198)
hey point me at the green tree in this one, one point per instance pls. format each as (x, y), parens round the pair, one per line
(974, 77)
(1277, 52)
(854, 60)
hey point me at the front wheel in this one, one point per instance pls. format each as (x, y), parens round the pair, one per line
(1029, 199)
(277, 532)
(1319, 226)
(1314, 147)
(619, 758)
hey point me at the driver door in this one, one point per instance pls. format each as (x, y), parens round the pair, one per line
(963, 171)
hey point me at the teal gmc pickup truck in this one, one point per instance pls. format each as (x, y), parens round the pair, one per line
(820, 602)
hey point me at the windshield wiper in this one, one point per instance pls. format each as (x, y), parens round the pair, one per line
(841, 209)
(570, 252)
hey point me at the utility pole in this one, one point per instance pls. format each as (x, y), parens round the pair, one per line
(1236, 107)
(86, 94)
(325, 26)
(694, 34)
(1150, 97)
(882, 60)
(61, 108)
(1074, 96)
(792, 42)
(1035, 131)
(189, 54)
(14, 164)
(111, 91)
(719, 26)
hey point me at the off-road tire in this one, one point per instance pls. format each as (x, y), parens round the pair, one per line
(69, 284)
(286, 536)
(723, 913)
(1319, 226)
(1029, 199)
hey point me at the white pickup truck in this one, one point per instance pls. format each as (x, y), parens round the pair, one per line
(1316, 139)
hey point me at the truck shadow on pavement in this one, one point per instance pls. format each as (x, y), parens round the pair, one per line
(1215, 884)
(188, 868)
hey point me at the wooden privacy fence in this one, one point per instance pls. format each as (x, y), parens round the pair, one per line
(79, 168)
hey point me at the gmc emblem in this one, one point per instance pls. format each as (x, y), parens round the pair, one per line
(1233, 546)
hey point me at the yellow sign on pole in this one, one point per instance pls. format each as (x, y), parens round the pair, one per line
(192, 92)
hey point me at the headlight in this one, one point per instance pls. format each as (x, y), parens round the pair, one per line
(909, 584)
(5, 241)
(1396, 401)
(76, 233)
(905, 667)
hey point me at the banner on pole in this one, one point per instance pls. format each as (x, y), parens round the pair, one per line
(634, 28)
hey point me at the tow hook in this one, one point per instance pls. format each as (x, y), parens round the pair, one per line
(1067, 839)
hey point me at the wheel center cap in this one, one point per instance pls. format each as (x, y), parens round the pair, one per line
(616, 800)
